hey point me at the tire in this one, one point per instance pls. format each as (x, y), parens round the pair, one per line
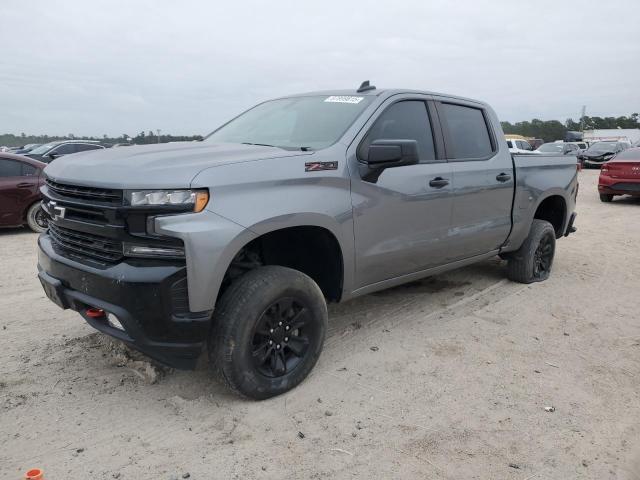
(606, 197)
(532, 262)
(268, 304)
(36, 218)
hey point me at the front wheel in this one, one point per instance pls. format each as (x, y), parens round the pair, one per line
(533, 260)
(37, 218)
(606, 197)
(268, 331)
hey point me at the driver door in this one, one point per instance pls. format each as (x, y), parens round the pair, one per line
(402, 217)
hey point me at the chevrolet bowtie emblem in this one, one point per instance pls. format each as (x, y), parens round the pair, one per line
(55, 211)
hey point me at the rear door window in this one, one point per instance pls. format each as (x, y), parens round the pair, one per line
(405, 120)
(64, 149)
(469, 136)
(10, 168)
(83, 147)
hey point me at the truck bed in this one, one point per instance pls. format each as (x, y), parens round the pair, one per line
(537, 175)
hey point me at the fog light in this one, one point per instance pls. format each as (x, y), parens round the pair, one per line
(113, 321)
(131, 250)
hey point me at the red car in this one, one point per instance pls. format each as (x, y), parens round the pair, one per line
(20, 181)
(620, 175)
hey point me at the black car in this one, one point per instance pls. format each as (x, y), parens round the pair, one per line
(600, 152)
(50, 151)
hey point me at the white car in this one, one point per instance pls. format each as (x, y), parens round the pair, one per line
(520, 146)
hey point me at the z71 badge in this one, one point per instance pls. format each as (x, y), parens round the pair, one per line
(317, 166)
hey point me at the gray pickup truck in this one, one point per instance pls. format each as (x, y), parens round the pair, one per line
(234, 244)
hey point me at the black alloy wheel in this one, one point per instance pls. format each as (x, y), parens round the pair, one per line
(267, 332)
(543, 257)
(281, 338)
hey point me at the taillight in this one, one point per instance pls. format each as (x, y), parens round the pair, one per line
(579, 167)
(604, 168)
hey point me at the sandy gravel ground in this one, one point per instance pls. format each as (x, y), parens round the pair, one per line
(465, 364)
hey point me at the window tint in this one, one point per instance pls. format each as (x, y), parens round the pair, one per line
(468, 131)
(10, 168)
(406, 120)
(629, 154)
(64, 149)
(28, 170)
(84, 147)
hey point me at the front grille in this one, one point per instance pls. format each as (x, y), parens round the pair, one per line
(86, 193)
(93, 246)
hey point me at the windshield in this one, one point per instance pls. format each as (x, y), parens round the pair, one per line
(603, 146)
(550, 147)
(42, 149)
(293, 123)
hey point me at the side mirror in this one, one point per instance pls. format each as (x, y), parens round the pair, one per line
(52, 155)
(392, 153)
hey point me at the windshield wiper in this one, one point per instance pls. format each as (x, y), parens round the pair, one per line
(304, 149)
(259, 144)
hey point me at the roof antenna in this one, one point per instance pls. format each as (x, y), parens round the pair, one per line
(365, 87)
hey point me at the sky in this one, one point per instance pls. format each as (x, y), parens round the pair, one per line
(91, 67)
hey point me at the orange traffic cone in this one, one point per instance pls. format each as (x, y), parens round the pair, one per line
(34, 474)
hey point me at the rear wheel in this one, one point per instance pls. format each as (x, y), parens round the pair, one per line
(533, 260)
(606, 197)
(268, 331)
(37, 218)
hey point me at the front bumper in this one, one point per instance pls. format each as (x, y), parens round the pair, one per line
(149, 299)
(591, 162)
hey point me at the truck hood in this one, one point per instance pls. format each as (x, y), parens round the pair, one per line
(165, 165)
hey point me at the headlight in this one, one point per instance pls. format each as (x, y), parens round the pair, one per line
(187, 198)
(145, 251)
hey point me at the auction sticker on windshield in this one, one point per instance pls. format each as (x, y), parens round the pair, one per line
(343, 99)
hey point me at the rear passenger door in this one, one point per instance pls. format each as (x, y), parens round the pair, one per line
(401, 217)
(482, 179)
(18, 187)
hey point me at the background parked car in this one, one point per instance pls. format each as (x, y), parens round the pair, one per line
(535, 142)
(620, 176)
(600, 152)
(26, 148)
(519, 146)
(50, 151)
(559, 148)
(20, 181)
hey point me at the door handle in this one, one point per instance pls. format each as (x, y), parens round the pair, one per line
(438, 182)
(24, 185)
(503, 177)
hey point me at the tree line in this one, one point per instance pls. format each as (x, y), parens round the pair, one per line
(550, 130)
(142, 138)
